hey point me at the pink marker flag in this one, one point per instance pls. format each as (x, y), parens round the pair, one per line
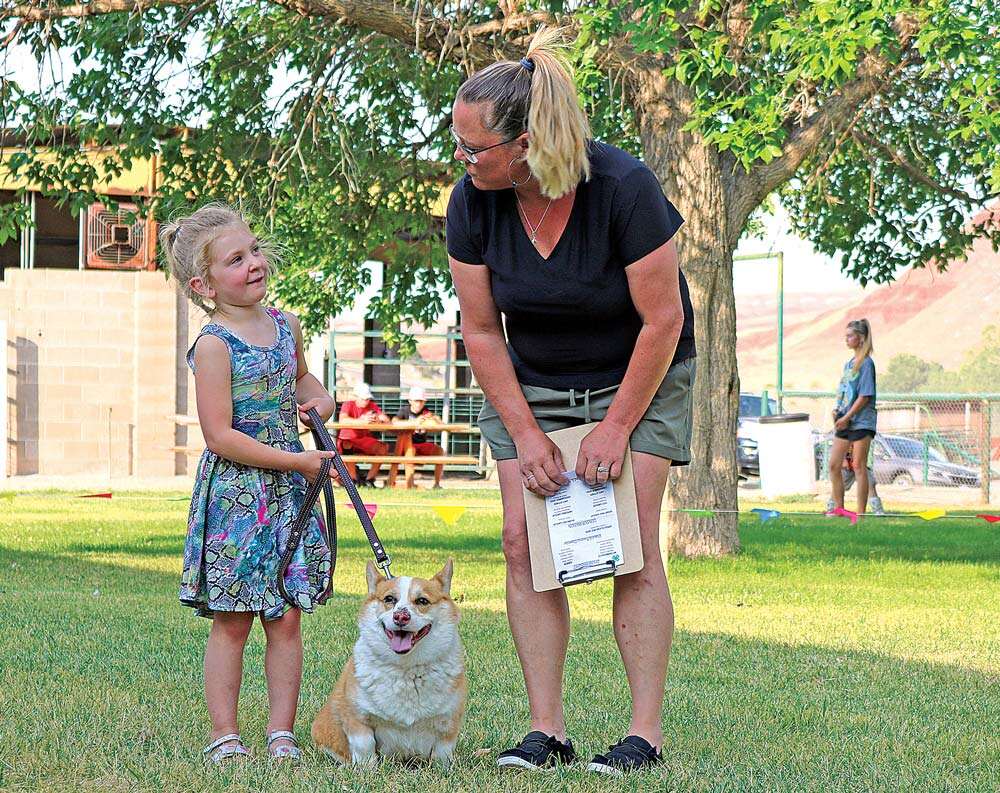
(840, 512)
(990, 518)
(371, 509)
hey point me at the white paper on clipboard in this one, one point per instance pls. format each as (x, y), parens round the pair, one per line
(544, 567)
(583, 528)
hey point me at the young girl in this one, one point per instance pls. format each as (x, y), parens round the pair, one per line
(415, 409)
(855, 415)
(249, 373)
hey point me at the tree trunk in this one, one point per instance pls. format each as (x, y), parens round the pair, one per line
(710, 481)
(691, 175)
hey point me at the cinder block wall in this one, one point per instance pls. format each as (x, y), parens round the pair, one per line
(96, 373)
(91, 372)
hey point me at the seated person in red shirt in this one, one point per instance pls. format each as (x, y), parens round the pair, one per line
(362, 410)
(416, 410)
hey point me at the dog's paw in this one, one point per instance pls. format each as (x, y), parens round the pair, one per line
(442, 754)
(332, 755)
(364, 761)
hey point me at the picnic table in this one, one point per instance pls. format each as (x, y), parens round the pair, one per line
(405, 454)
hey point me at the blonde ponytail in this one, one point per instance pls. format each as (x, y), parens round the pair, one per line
(864, 330)
(538, 95)
(558, 127)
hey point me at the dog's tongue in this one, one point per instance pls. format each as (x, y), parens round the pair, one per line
(401, 641)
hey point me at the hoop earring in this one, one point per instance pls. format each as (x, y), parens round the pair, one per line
(511, 178)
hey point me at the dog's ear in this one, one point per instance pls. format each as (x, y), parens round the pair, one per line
(374, 577)
(444, 576)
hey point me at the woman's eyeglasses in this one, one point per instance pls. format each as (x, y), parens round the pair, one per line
(471, 152)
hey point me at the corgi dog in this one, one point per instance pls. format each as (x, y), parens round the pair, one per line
(402, 693)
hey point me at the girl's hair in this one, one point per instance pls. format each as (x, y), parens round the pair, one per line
(537, 95)
(187, 240)
(864, 330)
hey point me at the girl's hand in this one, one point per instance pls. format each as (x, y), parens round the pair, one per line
(602, 454)
(309, 463)
(324, 406)
(842, 423)
(541, 464)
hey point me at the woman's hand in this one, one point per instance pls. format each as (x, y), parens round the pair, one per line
(602, 454)
(325, 406)
(842, 423)
(541, 464)
(310, 462)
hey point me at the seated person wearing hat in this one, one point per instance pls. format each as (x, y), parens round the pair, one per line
(416, 410)
(362, 410)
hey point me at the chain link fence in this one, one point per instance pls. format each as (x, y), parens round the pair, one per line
(923, 440)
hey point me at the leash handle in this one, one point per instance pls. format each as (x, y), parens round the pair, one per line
(325, 442)
(320, 484)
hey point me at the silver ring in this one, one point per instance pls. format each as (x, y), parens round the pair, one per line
(602, 469)
(529, 475)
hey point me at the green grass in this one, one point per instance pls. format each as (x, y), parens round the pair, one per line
(821, 658)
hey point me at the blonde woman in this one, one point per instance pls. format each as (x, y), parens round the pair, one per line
(570, 241)
(855, 416)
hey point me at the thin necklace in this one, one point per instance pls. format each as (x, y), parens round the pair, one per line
(534, 229)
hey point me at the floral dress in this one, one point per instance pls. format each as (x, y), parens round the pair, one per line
(240, 515)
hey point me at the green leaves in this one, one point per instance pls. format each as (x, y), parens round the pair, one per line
(332, 136)
(896, 178)
(328, 137)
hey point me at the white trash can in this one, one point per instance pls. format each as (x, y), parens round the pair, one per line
(787, 458)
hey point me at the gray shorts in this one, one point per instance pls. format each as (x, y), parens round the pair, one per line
(663, 430)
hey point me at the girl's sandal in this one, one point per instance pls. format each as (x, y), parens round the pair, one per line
(225, 748)
(285, 752)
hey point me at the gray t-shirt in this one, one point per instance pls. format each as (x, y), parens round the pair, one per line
(854, 384)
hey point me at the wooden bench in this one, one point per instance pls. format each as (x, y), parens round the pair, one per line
(399, 459)
(404, 433)
(409, 463)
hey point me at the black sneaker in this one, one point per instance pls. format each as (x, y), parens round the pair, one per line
(630, 754)
(537, 750)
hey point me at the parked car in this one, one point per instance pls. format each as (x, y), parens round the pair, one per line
(899, 460)
(746, 432)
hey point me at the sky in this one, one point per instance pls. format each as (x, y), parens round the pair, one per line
(805, 270)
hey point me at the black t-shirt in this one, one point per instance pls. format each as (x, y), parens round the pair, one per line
(406, 414)
(570, 320)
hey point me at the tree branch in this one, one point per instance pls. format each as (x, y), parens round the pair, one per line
(473, 45)
(435, 36)
(916, 173)
(873, 75)
(43, 12)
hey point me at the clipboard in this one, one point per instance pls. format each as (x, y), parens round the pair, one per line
(543, 573)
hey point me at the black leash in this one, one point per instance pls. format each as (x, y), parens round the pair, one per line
(322, 483)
